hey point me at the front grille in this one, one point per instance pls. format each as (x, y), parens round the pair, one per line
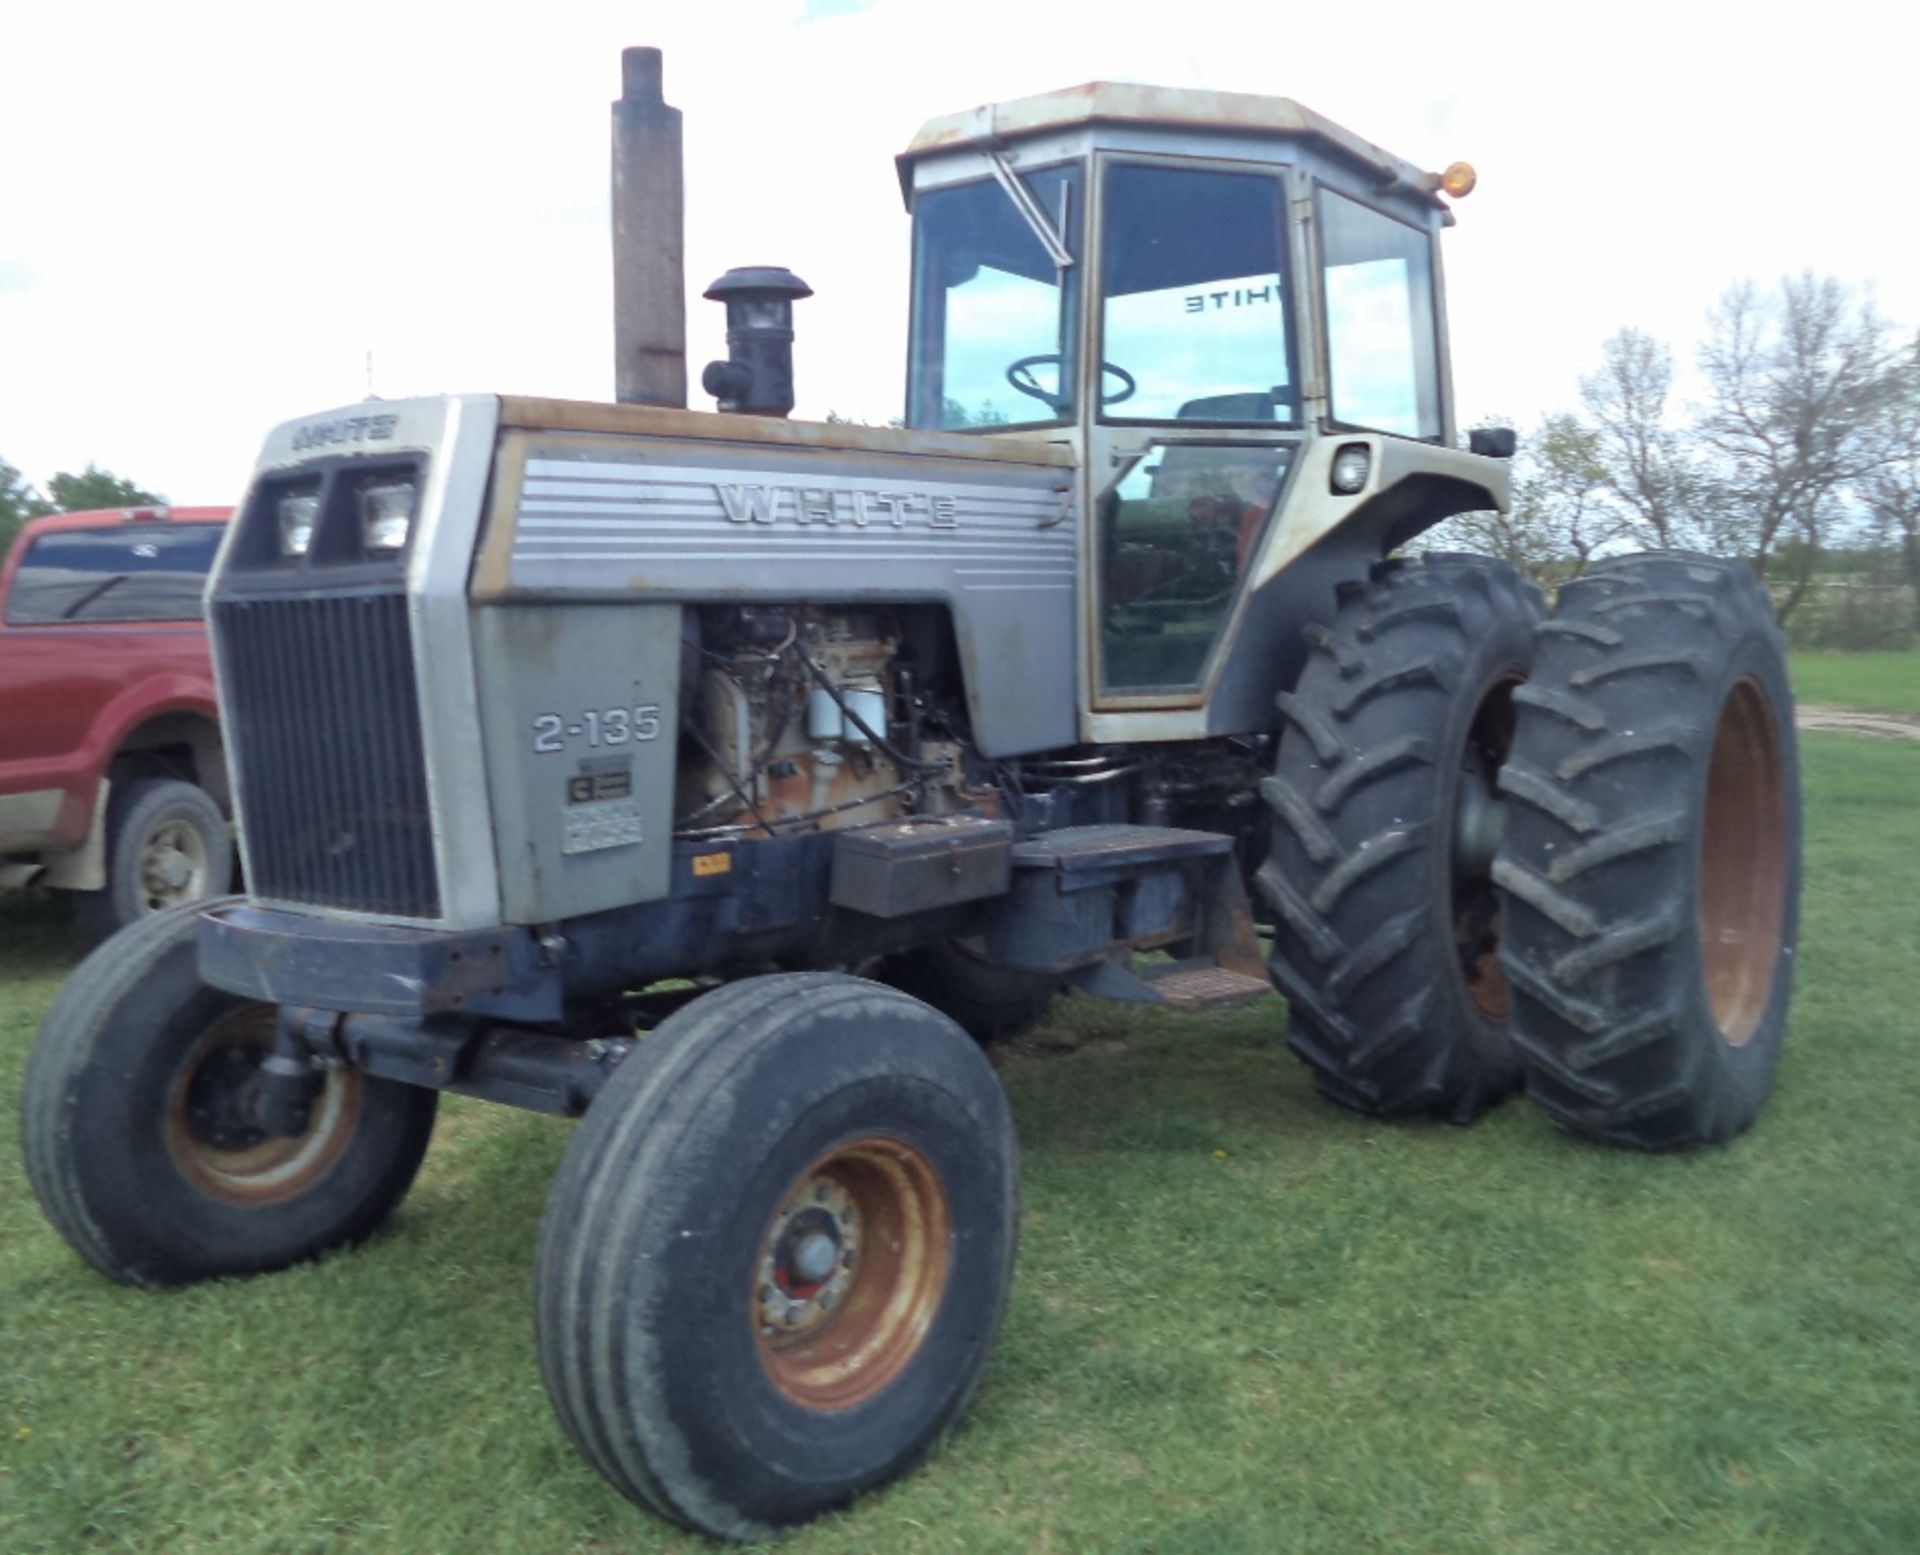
(324, 723)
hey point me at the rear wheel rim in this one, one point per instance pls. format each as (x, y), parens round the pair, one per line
(210, 1135)
(1475, 903)
(1742, 862)
(850, 1272)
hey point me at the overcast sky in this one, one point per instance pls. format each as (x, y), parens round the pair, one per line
(211, 216)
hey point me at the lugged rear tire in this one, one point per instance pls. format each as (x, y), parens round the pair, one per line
(1651, 866)
(777, 1251)
(1382, 947)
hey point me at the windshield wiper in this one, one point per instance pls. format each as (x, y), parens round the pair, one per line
(92, 594)
(1030, 210)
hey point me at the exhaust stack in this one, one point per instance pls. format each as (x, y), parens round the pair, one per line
(649, 226)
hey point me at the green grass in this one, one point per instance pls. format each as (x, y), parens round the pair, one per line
(1243, 1322)
(1884, 682)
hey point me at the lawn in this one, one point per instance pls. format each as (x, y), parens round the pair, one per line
(1884, 682)
(1243, 1322)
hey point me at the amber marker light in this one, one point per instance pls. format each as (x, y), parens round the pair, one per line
(1458, 180)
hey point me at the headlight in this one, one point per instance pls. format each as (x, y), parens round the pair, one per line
(296, 523)
(386, 514)
(1350, 467)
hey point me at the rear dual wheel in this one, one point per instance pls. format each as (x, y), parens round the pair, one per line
(1651, 868)
(1384, 825)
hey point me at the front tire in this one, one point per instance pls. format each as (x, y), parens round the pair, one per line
(137, 1135)
(1651, 867)
(1383, 827)
(777, 1251)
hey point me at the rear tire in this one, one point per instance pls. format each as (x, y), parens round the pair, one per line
(136, 1134)
(990, 1003)
(777, 1251)
(167, 845)
(1651, 866)
(1385, 920)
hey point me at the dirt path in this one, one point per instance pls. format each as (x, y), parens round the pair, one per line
(1828, 719)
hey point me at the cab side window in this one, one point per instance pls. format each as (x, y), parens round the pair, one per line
(1383, 350)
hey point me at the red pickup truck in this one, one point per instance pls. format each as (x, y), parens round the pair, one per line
(113, 782)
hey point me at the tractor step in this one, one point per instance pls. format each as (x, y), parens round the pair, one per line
(1085, 899)
(1188, 988)
(1180, 985)
(1086, 849)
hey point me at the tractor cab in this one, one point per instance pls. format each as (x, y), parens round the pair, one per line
(1190, 288)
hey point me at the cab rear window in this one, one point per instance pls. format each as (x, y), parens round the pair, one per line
(146, 572)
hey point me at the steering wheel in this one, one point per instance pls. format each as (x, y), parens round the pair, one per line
(1020, 375)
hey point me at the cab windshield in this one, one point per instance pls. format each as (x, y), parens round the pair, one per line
(993, 336)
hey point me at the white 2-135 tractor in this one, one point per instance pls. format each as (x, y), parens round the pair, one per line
(1103, 673)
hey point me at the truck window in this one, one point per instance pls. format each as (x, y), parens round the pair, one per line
(139, 572)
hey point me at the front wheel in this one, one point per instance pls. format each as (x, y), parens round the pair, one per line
(777, 1251)
(139, 1137)
(1651, 866)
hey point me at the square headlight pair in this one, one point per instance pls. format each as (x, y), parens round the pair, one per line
(385, 515)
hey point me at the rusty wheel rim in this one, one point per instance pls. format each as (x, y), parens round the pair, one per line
(173, 866)
(1475, 902)
(850, 1272)
(217, 1146)
(1742, 862)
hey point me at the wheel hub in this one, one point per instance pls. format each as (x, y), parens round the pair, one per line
(809, 1259)
(172, 866)
(211, 1132)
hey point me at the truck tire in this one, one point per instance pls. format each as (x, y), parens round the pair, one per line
(136, 1139)
(989, 1003)
(1651, 866)
(167, 844)
(777, 1251)
(1382, 836)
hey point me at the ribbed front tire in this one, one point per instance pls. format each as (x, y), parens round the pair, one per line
(777, 1252)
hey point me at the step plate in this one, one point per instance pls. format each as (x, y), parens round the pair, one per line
(1208, 985)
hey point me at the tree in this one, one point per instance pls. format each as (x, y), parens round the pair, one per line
(1892, 492)
(97, 488)
(1563, 513)
(1801, 383)
(18, 503)
(1643, 460)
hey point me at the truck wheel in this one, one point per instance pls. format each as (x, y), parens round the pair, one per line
(1384, 824)
(990, 1003)
(138, 1140)
(1651, 867)
(167, 843)
(777, 1251)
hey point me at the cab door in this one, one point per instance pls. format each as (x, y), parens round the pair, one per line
(1199, 418)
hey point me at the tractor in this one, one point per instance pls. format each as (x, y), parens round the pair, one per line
(727, 782)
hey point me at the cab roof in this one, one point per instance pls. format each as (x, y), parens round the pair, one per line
(1184, 108)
